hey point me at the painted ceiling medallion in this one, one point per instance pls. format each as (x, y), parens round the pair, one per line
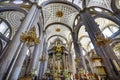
(59, 14)
(58, 30)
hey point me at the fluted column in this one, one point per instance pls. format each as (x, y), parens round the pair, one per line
(38, 48)
(12, 72)
(38, 51)
(18, 64)
(104, 51)
(13, 46)
(41, 63)
(44, 62)
(41, 68)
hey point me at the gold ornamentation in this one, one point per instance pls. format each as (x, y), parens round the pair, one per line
(58, 30)
(77, 60)
(58, 48)
(42, 58)
(101, 40)
(59, 14)
(95, 57)
(26, 78)
(97, 61)
(30, 37)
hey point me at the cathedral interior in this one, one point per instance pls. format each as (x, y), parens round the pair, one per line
(59, 39)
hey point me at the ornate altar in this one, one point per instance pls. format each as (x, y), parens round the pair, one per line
(57, 62)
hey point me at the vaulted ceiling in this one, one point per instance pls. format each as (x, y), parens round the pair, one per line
(59, 17)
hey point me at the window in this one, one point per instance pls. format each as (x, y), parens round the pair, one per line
(76, 21)
(90, 46)
(98, 9)
(114, 28)
(4, 29)
(18, 2)
(107, 32)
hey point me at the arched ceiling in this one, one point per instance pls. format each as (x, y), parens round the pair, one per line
(102, 22)
(68, 16)
(52, 11)
(59, 19)
(58, 29)
(13, 17)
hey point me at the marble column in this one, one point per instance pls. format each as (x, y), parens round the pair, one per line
(12, 49)
(83, 59)
(13, 63)
(37, 53)
(41, 69)
(104, 52)
(41, 63)
(77, 49)
(44, 62)
(10, 70)
(15, 66)
(19, 63)
(75, 43)
(38, 48)
(46, 57)
(36, 59)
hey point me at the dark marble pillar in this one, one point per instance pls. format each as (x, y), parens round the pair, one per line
(8, 60)
(78, 51)
(102, 48)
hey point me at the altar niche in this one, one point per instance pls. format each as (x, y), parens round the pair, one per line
(58, 60)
